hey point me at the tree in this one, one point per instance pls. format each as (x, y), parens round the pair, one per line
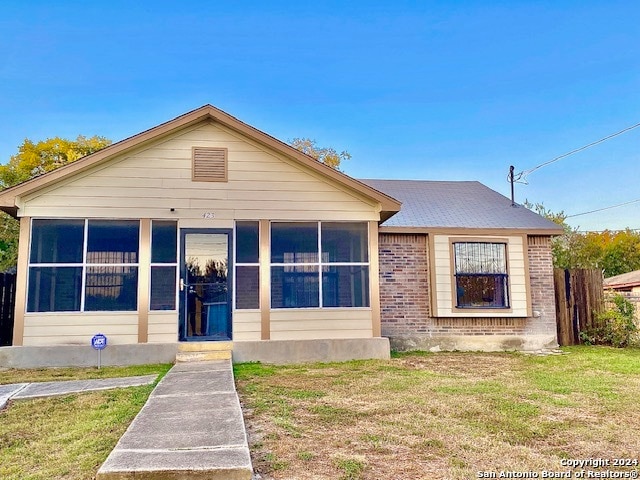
(540, 209)
(614, 252)
(327, 155)
(33, 159)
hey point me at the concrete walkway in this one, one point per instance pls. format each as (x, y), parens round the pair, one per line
(19, 391)
(190, 428)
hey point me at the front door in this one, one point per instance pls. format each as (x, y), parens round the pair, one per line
(205, 285)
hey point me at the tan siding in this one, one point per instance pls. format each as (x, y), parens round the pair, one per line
(517, 278)
(262, 184)
(299, 324)
(149, 182)
(246, 325)
(163, 327)
(77, 329)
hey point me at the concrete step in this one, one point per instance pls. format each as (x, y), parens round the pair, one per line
(204, 346)
(203, 356)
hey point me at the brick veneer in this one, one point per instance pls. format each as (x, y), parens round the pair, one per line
(543, 298)
(404, 293)
(404, 284)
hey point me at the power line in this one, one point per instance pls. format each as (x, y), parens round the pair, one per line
(604, 208)
(613, 230)
(522, 176)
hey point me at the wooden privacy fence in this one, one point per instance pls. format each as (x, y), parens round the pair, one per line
(7, 304)
(579, 297)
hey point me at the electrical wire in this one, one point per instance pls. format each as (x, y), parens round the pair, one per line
(521, 177)
(604, 208)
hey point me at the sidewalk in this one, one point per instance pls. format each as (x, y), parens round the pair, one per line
(19, 391)
(190, 428)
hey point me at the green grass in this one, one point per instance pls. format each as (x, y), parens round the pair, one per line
(442, 416)
(52, 374)
(70, 436)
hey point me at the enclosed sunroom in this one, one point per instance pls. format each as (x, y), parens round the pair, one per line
(200, 229)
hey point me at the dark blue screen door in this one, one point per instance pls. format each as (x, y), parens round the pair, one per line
(205, 285)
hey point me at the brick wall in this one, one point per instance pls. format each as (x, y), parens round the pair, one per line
(404, 284)
(543, 299)
(404, 293)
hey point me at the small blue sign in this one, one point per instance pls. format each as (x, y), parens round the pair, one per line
(99, 341)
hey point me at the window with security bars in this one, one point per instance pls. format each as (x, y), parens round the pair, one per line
(481, 275)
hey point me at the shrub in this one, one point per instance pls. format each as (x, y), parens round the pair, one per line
(616, 326)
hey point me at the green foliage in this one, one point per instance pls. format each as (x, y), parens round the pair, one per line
(36, 158)
(329, 156)
(33, 159)
(616, 326)
(613, 252)
(9, 234)
(540, 209)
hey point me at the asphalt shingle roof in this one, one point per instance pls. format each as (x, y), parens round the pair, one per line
(630, 278)
(456, 205)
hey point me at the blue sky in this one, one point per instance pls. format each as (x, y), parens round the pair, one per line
(430, 90)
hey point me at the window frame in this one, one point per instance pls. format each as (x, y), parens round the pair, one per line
(320, 264)
(84, 265)
(175, 264)
(246, 264)
(508, 308)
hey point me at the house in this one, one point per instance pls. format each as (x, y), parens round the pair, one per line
(463, 269)
(625, 282)
(205, 230)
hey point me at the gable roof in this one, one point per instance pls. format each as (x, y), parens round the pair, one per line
(9, 196)
(629, 279)
(458, 205)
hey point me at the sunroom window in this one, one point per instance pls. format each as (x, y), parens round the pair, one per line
(164, 264)
(319, 264)
(247, 291)
(83, 265)
(481, 275)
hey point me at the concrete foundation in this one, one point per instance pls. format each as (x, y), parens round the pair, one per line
(267, 351)
(303, 351)
(86, 356)
(475, 343)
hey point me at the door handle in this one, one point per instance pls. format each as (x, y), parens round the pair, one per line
(182, 284)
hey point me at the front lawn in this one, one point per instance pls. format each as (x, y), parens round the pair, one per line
(442, 416)
(70, 436)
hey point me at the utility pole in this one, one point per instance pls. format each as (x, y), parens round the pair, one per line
(511, 180)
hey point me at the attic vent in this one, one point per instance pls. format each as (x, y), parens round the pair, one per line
(209, 164)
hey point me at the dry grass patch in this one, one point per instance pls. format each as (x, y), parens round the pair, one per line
(28, 375)
(67, 437)
(441, 416)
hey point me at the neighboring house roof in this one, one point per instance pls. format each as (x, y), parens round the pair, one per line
(629, 279)
(10, 196)
(458, 205)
